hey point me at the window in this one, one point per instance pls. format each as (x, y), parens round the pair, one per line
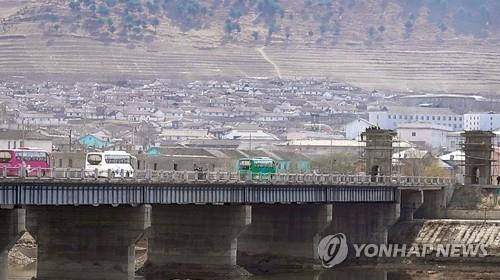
(388, 117)
(449, 118)
(439, 118)
(60, 163)
(155, 166)
(5, 156)
(433, 118)
(94, 159)
(117, 159)
(8, 145)
(428, 117)
(15, 144)
(70, 163)
(413, 133)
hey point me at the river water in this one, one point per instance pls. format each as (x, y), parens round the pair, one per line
(349, 274)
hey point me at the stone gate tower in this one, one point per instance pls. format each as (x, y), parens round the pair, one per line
(378, 151)
(478, 150)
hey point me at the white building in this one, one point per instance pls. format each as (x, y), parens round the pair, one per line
(481, 121)
(395, 115)
(354, 129)
(424, 134)
(13, 139)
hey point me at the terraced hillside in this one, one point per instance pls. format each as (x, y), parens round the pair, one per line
(366, 43)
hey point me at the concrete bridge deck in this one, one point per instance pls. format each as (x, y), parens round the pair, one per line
(73, 187)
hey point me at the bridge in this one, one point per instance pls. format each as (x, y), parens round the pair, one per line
(204, 224)
(195, 221)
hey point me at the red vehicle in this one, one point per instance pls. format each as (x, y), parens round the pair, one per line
(24, 160)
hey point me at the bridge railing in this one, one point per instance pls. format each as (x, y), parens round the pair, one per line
(169, 176)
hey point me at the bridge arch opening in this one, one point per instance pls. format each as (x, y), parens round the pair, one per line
(475, 174)
(374, 172)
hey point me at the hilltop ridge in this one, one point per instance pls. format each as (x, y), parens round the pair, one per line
(435, 45)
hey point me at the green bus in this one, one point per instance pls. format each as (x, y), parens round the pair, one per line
(258, 168)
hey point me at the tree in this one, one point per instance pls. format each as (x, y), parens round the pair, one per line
(110, 3)
(155, 22)
(443, 27)
(371, 31)
(408, 27)
(75, 6)
(255, 35)
(103, 10)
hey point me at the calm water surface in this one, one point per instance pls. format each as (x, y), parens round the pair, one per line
(346, 274)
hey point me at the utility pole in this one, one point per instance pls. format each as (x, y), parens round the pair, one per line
(22, 133)
(70, 148)
(250, 148)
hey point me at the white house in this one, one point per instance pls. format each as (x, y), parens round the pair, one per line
(13, 139)
(392, 116)
(183, 134)
(481, 121)
(354, 129)
(422, 133)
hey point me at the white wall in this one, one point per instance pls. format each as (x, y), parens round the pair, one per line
(481, 121)
(42, 144)
(435, 138)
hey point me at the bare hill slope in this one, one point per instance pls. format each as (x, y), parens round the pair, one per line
(390, 44)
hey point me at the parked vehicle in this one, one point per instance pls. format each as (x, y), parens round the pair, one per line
(256, 168)
(24, 162)
(110, 164)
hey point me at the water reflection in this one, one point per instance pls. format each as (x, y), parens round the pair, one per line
(329, 275)
(345, 274)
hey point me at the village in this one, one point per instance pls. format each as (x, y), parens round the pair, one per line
(305, 125)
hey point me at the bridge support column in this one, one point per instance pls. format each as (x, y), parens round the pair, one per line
(364, 222)
(12, 226)
(86, 242)
(283, 236)
(196, 241)
(433, 204)
(411, 200)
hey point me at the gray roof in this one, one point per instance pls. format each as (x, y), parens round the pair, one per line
(420, 110)
(19, 135)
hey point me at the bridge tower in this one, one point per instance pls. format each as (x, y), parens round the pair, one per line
(478, 150)
(378, 151)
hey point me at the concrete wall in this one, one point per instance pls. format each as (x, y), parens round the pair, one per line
(283, 235)
(364, 222)
(190, 241)
(11, 228)
(86, 242)
(464, 214)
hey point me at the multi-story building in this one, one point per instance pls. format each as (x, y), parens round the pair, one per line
(424, 134)
(482, 121)
(391, 117)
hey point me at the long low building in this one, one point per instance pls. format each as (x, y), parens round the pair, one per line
(332, 146)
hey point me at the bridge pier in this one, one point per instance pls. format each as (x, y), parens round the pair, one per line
(12, 226)
(364, 222)
(411, 201)
(86, 242)
(191, 241)
(283, 236)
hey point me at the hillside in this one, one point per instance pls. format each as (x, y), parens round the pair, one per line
(437, 45)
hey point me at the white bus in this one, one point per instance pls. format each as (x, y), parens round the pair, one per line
(110, 164)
